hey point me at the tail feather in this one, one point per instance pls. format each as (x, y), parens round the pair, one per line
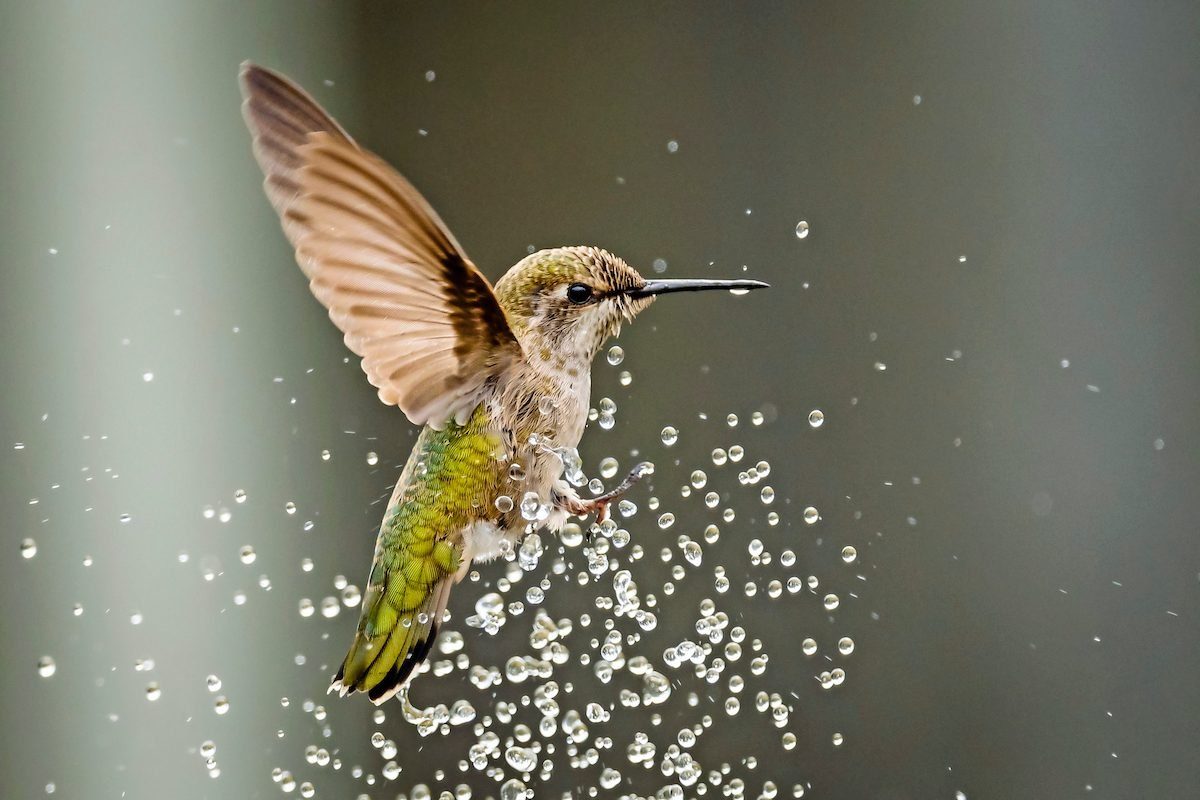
(389, 647)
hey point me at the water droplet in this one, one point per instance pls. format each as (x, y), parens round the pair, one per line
(372, 458)
(845, 645)
(306, 607)
(221, 705)
(816, 418)
(719, 456)
(325, 455)
(431, 76)
(289, 507)
(46, 666)
(809, 646)
(330, 607)
(669, 436)
(530, 504)
(147, 376)
(239, 496)
(767, 495)
(831, 602)
(351, 596)
(615, 355)
(213, 683)
(802, 230)
(838, 739)
(504, 504)
(672, 146)
(608, 467)
(849, 554)
(28, 548)
(153, 691)
(811, 515)
(247, 554)
(571, 535)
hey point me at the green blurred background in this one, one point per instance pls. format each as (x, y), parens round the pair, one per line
(1019, 480)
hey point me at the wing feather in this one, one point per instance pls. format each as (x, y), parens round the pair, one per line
(424, 320)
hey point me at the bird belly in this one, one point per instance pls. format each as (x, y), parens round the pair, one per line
(484, 540)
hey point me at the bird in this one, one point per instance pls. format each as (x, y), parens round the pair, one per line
(497, 377)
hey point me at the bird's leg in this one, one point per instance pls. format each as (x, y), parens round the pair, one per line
(572, 503)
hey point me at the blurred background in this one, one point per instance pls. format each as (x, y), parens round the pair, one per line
(994, 306)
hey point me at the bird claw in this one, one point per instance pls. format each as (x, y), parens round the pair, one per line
(602, 515)
(600, 505)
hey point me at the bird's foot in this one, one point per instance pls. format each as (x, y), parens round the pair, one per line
(600, 505)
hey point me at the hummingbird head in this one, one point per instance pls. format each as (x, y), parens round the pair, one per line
(564, 303)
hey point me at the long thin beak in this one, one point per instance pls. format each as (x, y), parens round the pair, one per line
(695, 285)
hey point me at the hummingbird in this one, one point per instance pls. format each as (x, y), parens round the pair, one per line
(498, 377)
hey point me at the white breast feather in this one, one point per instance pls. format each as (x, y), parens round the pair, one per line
(484, 541)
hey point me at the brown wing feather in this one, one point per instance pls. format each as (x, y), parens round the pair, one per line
(424, 320)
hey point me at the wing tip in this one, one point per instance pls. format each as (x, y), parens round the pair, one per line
(251, 75)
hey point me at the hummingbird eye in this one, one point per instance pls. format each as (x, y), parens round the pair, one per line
(579, 293)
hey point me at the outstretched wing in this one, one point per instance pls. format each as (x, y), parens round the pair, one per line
(425, 321)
